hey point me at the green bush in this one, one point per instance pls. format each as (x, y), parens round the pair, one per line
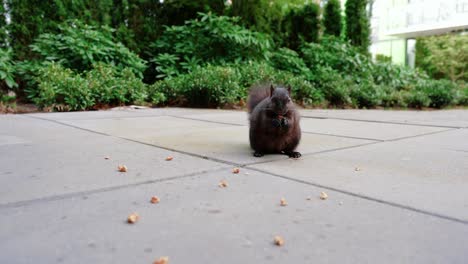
(209, 39)
(443, 56)
(62, 89)
(392, 97)
(203, 87)
(288, 60)
(333, 86)
(416, 99)
(396, 76)
(367, 95)
(440, 92)
(338, 55)
(228, 85)
(383, 58)
(7, 69)
(78, 46)
(463, 96)
(110, 86)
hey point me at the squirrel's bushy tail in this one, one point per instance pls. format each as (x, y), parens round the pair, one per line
(256, 95)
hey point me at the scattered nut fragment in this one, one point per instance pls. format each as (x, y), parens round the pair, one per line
(223, 184)
(357, 169)
(133, 218)
(122, 168)
(169, 158)
(323, 196)
(279, 241)
(309, 198)
(155, 199)
(235, 170)
(283, 202)
(106, 157)
(162, 260)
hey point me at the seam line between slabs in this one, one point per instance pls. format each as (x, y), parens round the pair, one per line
(101, 190)
(365, 197)
(380, 122)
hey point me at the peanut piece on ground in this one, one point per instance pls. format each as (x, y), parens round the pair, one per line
(323, 196)
(235, 170)
(162, 260)
(283, 202)
(133, 218)
(279, 241)
(223, 184)
(169, 158)
(155, 199)
(122, 168)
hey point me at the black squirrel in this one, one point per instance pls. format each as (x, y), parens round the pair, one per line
(274, 121)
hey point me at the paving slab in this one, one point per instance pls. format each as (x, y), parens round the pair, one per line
(447, 118)
(369, 130)
(428, 173)
(42, 159)
(358, 129)
(227, 117)
(62, 202)
(124, 113)
(198, 222)
(228, 143)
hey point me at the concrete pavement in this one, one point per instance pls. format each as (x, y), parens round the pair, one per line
(397, 186)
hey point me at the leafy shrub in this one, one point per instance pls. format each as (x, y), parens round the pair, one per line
(208, 39)
(61, 89)
(383, 58)
(288, 60)
(443, 56)
(440, 92)
(463, 96)
(338, 55)
(78, 46)
(110, 86)
(7, 69)
(392, 97)
(226, 85)
(367, 95)
(396, 76)
(416, 99)
(332, 85)
(204, 87)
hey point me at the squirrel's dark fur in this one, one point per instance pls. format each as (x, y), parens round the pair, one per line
(274, 121)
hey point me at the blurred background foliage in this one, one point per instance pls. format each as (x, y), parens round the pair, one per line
(67, 55)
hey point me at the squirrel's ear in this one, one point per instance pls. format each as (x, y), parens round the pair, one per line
(289, 89)
(271, 90)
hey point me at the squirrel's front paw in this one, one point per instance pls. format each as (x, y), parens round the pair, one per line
(276, 122)
(284, 122)
(258, 154)
(294, 154)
